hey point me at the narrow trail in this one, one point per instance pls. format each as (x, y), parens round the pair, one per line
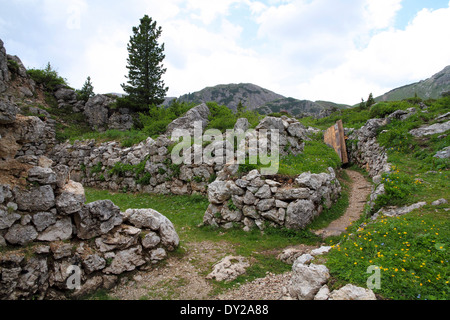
(359, 191)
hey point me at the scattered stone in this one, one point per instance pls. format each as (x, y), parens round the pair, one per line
(439, 202)
(229, 268)
(307, 280)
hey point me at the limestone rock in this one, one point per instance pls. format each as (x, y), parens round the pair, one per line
(307, 280)
(8, 112)
(430, 130)
(71, 199)
(186, 122)
(351, 292)
(60, 230)
(36, 199)
(229, 268)
(299, 214)
(97, 218)
(21, 235)
(126, 260)
(155, 221)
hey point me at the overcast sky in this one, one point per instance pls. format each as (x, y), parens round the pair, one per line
(336, 50)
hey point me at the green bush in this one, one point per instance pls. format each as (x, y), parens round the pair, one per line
(47, 77)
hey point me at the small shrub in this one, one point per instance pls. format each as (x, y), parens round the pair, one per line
(47, 77)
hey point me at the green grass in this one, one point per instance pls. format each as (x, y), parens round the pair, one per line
(316, 158)
(411, 252)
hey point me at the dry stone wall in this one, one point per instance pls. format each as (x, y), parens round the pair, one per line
(148, 167)
(257, 201)
(47, 231)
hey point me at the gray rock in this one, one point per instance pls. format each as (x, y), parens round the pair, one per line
(21, 235)
(149, 218)
(8, 112)
(93, 263)
(36, 199)
(229, 268)
(242, 124)
(430, 130)
(249, 198)
(42, 175)
(250, 211)
(59, 231)
(158, 255)
(71, 199)
(97, 218)
(443, 154)
(435, 203)
(292, 194)
(275, 215)
(7, 218)
(96, 111)
(43, 220)
(307, 280)
(299, 214)
(271, 123)
(396, 212)
(352, 292)
(151, 240)
(62, 175)
(264, 192)
(126, 260)
(65, 94)
(312, 181)
(61, 250)
(231, 215)
(265, 205)
(218, 192)
(323, 294)
(198, 113)
(120, 238)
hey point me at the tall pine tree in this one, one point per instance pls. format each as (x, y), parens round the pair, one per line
(145, 69)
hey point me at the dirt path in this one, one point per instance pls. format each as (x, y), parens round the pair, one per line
(359, 191)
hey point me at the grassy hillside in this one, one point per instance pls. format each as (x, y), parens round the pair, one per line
(431, 88)
(411, 252)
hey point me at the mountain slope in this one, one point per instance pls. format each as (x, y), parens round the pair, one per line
(256, 98)
(251, 96)
(431, 88)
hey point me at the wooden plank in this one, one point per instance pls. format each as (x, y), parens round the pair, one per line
(335, 138)
(344, 155)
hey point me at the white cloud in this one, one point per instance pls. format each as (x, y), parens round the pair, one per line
(392, 58)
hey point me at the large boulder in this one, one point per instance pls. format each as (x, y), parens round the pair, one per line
(96, 111)
(186, 122)
(307, 280)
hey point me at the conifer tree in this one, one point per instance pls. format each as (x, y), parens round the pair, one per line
(145, 86)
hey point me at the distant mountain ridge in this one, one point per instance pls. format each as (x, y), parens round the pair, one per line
(431, 88)
(257, 98)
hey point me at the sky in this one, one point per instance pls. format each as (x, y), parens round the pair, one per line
(334, 50)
